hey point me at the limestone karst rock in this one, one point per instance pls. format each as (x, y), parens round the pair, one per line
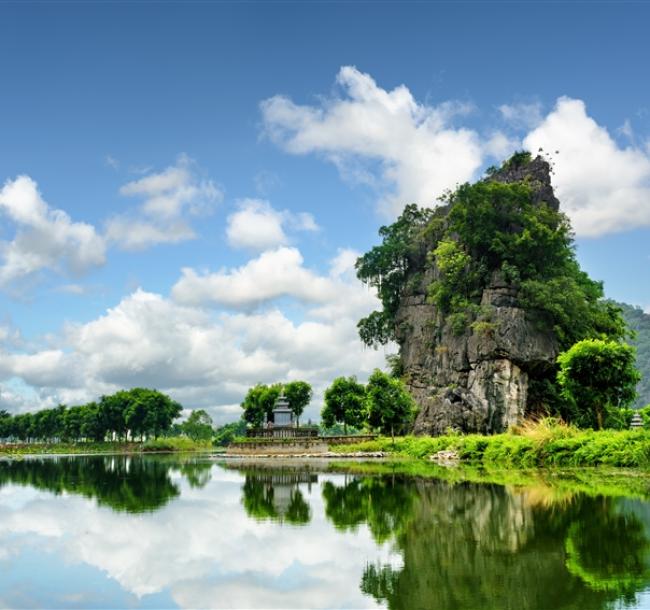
(477, 380)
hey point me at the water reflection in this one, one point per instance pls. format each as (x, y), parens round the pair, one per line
(123, 483)
(469, 546)
(275, 494)
(256, 535)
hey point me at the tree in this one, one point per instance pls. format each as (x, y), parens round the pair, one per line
(597, 375)
(298, 394)
(198, 426)
(5, 424)
(385, 267)
(390, 406)
(344, 403)
(259, 402)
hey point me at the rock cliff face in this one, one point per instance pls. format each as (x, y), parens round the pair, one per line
(477, 380)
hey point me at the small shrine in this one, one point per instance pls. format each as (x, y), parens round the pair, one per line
(282, 414)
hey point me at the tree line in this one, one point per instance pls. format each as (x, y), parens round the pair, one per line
(127, 414)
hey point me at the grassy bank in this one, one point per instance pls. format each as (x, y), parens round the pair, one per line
(541, 445)
(161, 444)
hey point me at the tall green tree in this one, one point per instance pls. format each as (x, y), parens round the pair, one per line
(390, 407)
(259, 402)
(595, 376)
(344, 403)
(298, 394)
(198, 425)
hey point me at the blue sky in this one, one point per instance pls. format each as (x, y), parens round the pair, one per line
(258, 146)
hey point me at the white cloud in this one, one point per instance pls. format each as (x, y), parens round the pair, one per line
(602, 187)
(204, 358)
(273, 274)
(170, 198)
(45, 238)
(256, 225)
(419, 152)
(526, 116)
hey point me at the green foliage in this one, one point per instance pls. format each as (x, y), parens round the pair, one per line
(490, 231)
(226, 434)
(639, 324)
(385, 267)
(135, 412)
(298, 394)
(179, 443)
(198, 426)
(258, 403)
(345, 403)
(390, 407)
(260, 399)
(596, 376)
(554, 446)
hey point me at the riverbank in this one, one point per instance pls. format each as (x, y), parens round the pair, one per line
(542, 445)
(161, 445)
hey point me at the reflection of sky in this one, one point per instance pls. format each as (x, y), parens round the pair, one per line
(199, 551)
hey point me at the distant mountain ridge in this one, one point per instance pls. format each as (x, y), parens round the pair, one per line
(639, 321)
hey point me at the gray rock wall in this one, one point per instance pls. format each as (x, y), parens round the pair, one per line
(476, 380)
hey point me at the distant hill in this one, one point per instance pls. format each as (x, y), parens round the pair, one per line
(640, 322)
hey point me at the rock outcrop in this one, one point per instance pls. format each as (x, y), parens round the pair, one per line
(476, 380)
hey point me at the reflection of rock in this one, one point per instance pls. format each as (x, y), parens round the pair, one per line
(471, 546)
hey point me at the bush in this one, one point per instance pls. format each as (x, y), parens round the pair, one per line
(178, 443)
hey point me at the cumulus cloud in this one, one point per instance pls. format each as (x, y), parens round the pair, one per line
(273, 274)
(418, 150)
(205, 357)
(170, 198)
(602, 187)
(256, 225)
(411, 152)
(45, 238)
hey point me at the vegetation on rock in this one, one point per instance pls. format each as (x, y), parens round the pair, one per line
(497, 252)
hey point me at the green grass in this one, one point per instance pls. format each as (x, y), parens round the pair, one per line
(161, 444)
(540, 445)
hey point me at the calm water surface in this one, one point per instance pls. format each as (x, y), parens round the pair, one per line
(167, 532)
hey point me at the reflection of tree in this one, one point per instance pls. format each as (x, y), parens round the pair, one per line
(607, 551)
(276, 495)
(197, 473)
(124, 483)
(384, 503)
(483, 546)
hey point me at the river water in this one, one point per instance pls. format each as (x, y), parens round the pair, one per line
(167, 532)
